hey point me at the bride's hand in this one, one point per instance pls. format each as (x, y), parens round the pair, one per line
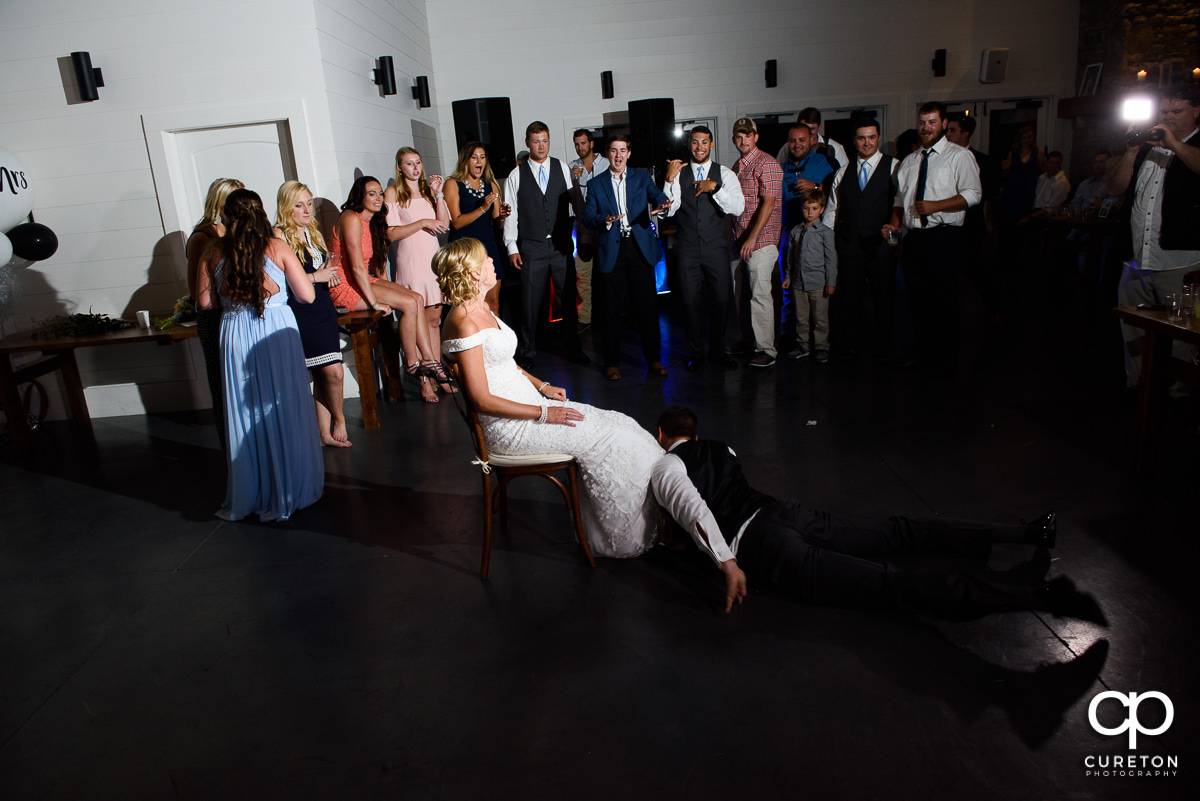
(554, 393)
(562, 415)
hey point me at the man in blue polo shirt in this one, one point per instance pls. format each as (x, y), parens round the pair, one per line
(803, 169)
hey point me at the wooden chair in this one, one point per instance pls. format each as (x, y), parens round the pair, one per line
(506, 468)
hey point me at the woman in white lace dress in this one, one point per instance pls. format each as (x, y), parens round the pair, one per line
(522, 414)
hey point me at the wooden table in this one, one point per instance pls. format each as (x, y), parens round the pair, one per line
(360, 326)
(1159, 370)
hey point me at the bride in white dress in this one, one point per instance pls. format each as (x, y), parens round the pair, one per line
(522, 414)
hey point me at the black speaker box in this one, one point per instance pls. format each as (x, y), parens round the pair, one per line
(652, 129)
(487, 120)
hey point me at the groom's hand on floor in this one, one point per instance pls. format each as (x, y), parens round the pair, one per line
(735, 583)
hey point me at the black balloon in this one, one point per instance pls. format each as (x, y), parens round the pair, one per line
(33, 241)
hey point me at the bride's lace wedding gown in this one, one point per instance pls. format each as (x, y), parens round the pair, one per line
(615, 454)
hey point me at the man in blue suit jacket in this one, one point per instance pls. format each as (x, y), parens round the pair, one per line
(618, 206)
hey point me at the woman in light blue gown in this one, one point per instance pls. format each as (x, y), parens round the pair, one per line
(274, 454)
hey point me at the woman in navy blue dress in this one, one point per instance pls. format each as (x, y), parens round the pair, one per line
(473, 195)
(296, 225)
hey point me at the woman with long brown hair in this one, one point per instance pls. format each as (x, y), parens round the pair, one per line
(473, 195)
(416, 215)
(358, 249)
(274, 455)
(296, 225)
(208, 321)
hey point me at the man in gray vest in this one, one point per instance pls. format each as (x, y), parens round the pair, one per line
(702, 193)
(824, 559)
(538, 237)
(864, 192)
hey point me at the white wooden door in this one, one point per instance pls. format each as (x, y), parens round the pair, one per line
(259, 155)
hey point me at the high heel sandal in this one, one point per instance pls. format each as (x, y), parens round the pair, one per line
(428, 385)
(434, 369)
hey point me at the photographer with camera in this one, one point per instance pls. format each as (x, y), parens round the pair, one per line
(1159, 176)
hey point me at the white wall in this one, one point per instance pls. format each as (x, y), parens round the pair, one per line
(95, 188)
(709, 56)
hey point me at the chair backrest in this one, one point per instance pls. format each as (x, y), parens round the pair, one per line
(469, 414)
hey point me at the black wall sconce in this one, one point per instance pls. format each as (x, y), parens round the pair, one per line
(606, 85)
(385, 76)
(939, 63)
(771, 74)
(420, 91)
(86, 76)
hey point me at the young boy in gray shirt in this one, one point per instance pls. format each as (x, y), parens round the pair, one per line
(812, 276)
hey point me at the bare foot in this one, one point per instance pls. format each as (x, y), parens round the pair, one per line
(447, 388)
(339, 433)
(328, 441)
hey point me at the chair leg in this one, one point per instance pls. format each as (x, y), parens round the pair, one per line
(487, 526)
(573, 483)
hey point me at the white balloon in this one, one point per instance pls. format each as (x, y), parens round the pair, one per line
(16, 191)
(5, 250)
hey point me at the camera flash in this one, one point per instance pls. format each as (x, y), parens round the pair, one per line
(1137, 109)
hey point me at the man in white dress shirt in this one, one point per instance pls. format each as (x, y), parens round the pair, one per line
(1052, 186)
(1160, 179)
(538, 237)
(824, 559)
(587, 164)
(861, 201)
(702, 194)
(937, 184)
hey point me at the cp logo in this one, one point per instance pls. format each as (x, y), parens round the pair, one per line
(1131, 723)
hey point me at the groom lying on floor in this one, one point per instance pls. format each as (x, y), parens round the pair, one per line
(839, 562)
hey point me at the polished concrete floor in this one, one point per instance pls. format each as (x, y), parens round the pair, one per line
(152, 651)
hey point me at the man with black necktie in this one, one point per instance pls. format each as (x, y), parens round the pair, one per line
(538, 237)
(864, 193)
(703, 193)
(936, 186)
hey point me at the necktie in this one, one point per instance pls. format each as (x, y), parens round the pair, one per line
(542, 177)
(922, 176)
(862, 176)
(699, 173)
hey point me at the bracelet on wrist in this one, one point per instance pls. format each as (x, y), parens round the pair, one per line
(545, 411)
(543, 386)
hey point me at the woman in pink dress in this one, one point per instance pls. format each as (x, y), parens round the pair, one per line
(416, 215)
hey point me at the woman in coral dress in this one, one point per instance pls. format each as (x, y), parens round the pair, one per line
(357, 247)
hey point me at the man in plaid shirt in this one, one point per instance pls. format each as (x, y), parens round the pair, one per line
(756, 233)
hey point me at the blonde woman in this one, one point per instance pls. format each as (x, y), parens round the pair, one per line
(521, 414)
(473, 196)
(296, 225)
(416, 215)
(208, 230)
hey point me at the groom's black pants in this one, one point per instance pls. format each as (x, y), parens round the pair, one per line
(839, 562)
